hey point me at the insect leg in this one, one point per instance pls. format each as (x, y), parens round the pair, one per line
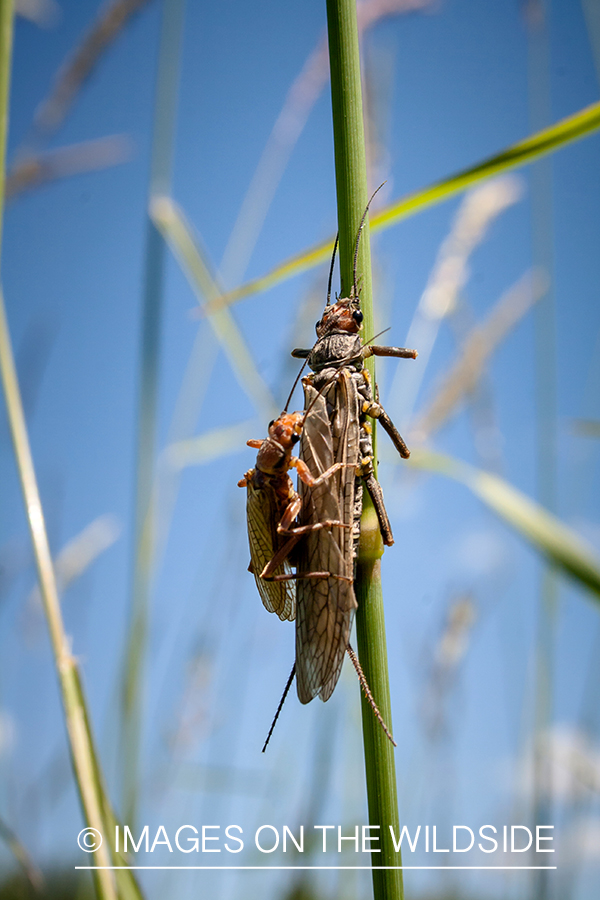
(284, 552)
(295, 505)
(280, 557)
(376, 494)
(376, 411)
(305, 474)
(374, 350)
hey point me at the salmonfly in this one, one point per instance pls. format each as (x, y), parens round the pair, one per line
(336, 433)
(273, 507)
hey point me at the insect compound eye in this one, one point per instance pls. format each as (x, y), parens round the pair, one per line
(357, 316)
(295, 438)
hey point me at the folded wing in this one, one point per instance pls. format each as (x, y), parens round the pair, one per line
(325, 606)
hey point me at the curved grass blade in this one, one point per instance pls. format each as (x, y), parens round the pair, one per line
(462, 378)
(177, 232)
(80, 64)
(21, 855)
(289, 125)
(80, 736)
(36, 170)
(559, 543)
(204, 448)
(548, 140)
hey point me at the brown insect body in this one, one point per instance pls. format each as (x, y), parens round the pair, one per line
(336, 445)
(325, 609)
(273, 507)
(337, 431)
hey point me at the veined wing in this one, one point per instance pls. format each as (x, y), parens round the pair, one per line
(277, 596)
(325, 607)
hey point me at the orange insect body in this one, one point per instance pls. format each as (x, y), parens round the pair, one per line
(270, 494)
(272, 507)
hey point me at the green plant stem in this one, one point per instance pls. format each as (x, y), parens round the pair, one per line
(352, 196)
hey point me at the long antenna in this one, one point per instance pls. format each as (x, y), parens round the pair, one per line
(294, 385)
(280, 707)
(375, 336)
(335, 246)
(360, 228)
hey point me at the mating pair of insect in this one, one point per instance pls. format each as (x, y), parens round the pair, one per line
(316, 531)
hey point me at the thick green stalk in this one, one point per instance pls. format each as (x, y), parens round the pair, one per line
(351, 183)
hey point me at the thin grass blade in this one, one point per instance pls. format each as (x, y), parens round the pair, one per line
(205, 448)
(548, 140)
(559, 543)
(170, 220)
(465, 373)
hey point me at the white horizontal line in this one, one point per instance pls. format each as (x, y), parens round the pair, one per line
(303, 868)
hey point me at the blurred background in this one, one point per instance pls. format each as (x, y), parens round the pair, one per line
(160, 154)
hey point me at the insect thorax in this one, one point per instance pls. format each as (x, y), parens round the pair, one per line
(333, 349)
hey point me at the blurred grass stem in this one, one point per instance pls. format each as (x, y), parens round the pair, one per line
(460, 381)
(80, 738)
(289, 125)
(545, 358)
(450, 272)
(167, 80)
(186, 246)
(6, 36)
(80, 64)
(19, 851)
(352, 196)
(563, 547)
